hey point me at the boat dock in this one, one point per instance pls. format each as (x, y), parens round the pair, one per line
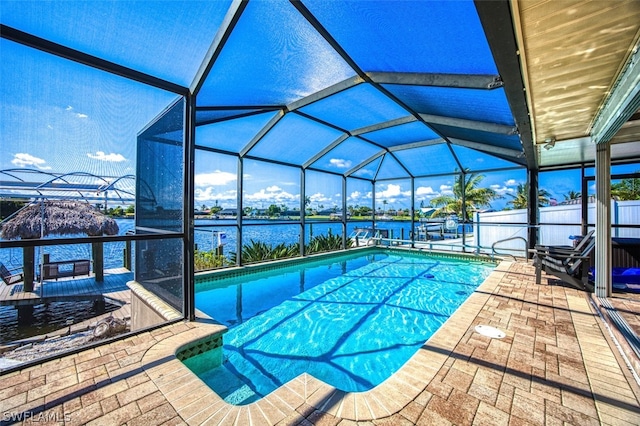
(113, 289)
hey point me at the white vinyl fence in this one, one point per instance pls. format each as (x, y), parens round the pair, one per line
(486, 234)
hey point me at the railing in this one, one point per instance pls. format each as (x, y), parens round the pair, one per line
(493, 246)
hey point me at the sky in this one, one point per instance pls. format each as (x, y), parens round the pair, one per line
(90, 123)
(265, 184)
(61, 117)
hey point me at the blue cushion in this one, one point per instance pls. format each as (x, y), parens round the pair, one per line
(626, 275)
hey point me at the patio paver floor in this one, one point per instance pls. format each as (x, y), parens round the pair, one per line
(556, 365)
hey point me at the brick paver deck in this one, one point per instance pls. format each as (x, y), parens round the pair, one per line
(556, 365)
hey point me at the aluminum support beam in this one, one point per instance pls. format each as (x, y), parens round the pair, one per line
(262, 133)
(416, 145)
(324, 93)
(482, 126)
(325, 151)
(224, 32)
(344, 213)
(463, 193)
(412, 212)
(532, 208)
(441, 80)
(622, 103)
(365, 162)
(603, 220)
(27, 39)
(239, 199)
(490, 149)
(303, 213)
(384, 125)
(189, 297)
(497, 22)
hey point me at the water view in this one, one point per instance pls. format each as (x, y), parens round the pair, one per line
(48, 318)
(205, 238)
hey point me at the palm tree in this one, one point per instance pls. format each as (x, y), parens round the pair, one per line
(626, 189)
(572, 195)
(521, 198)
(474, 197)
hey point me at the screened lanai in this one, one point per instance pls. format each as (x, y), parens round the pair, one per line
(361, 94)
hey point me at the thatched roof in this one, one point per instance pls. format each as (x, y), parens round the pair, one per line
(60, 218)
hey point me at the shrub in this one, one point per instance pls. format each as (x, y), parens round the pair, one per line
(204, 260)
(257, 251)
(322, 243)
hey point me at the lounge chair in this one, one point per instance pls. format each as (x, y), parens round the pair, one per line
(9, 276)
(567, 249)
(570, 264)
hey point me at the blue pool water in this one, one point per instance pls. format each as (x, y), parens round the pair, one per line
(351, 321)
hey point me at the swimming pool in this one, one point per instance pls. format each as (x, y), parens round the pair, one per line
(351, 320)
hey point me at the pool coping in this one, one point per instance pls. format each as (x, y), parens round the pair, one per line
(196, 403)
(237, 271)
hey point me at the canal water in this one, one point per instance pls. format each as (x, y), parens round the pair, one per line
(54, 316)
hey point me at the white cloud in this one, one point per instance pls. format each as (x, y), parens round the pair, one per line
(391, 191)
(358, 197)
(355, 195)
(319, 197)
(272, 194)
(511, 182)
(27, 160)
(446, 190)
(113, 158)
(77, 114)
(366, 172)
(425, 190)
(216, 178)
(208, 194)
(340, 163)
(502, 190)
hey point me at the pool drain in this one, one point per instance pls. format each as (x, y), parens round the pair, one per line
(492, 332)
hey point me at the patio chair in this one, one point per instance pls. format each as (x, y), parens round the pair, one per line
(9, 276)
(450, 227)
(81, 267)
(570, 264)
(568, 249)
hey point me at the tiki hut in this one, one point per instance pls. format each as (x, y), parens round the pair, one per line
(45, 218)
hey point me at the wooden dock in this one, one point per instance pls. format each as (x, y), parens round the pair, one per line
(113, 289)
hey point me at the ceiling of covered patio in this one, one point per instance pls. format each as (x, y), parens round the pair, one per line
(371, 89)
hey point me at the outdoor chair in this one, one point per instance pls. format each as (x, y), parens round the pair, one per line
(9, 276)
(567, 249)
(570, 264)
(81, 267)
(450, 227)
